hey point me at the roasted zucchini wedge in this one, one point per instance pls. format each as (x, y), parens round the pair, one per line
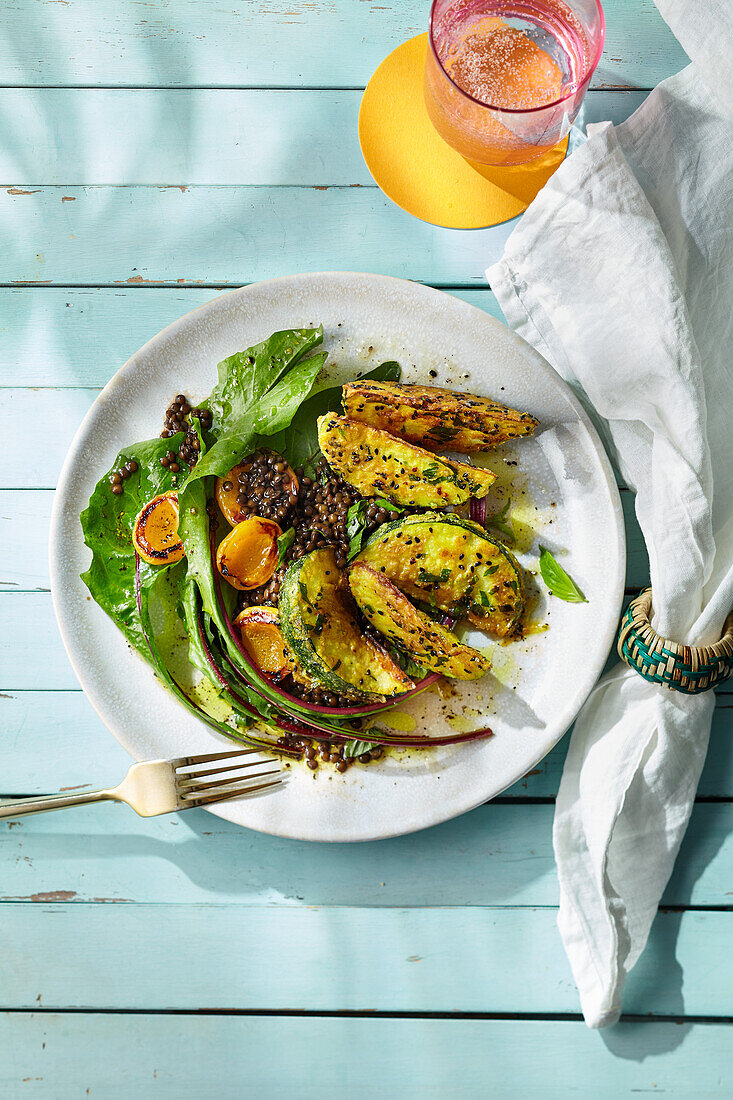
(319, 623)
(393, 615)
(378, 464)
(453, 564)
(438, 419)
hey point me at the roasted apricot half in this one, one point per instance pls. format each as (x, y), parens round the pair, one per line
(247, 557)
(155, 531)
(259, 628)
(251, 469)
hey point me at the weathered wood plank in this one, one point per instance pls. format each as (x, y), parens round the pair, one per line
(290, 43)
(327, 1058)
(24, 523)
(193, 136)
(227, 236)
(339, 959)
(498, 854)
(64, 737)
(28, 464)
(57, 336)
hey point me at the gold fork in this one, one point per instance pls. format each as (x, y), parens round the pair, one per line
(162, 786)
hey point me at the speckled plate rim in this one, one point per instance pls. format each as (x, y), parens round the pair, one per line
(606, 630)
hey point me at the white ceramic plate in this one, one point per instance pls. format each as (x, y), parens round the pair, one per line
(563, 492)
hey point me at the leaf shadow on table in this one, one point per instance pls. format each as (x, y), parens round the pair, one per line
(48, 219)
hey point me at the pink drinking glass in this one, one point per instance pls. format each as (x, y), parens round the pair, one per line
(505, 79)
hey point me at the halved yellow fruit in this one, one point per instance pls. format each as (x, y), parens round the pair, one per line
(248, 556)
(259, 629)
(155, 531)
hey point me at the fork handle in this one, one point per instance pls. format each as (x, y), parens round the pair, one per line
(54, 802)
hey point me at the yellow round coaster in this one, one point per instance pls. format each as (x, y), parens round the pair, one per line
(420, 172)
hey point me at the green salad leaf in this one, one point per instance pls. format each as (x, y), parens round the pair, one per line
(269, 414)
(560, 583)
(261, 393)
(299, 441)
(189, 613)
(407, 662)
(245, 376)
(107, 523)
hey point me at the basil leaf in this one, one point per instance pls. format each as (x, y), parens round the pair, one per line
(557, 580)
(283, 545)
(353, 749)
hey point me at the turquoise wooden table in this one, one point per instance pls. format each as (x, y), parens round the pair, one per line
(152, 154)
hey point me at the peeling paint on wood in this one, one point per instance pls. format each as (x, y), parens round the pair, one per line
(50, 895)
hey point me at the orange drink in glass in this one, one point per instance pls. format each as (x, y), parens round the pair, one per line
(505, 79)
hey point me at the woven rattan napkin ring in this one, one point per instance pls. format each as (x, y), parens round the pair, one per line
(686, 668)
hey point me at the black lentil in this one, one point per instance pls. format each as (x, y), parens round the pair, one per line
(266, 488)
(178, 417)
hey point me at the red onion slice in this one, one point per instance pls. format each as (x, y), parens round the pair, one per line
(477, 510)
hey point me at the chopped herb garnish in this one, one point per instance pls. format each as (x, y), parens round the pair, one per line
(432, 474)
(317, 627)
(356, 522)
(500, 522)
(425, 578)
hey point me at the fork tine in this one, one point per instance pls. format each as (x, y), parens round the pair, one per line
(222, 796)
(202, 788)
(205, 758)
(228, 768)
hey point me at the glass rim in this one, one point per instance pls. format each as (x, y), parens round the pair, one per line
(523, 110)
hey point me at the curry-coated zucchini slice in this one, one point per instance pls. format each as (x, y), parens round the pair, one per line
(453, 564)
(378, 464)
(319, 623)
(438, 419)
(401, 622)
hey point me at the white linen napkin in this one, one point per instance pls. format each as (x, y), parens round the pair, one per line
(621, 274)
